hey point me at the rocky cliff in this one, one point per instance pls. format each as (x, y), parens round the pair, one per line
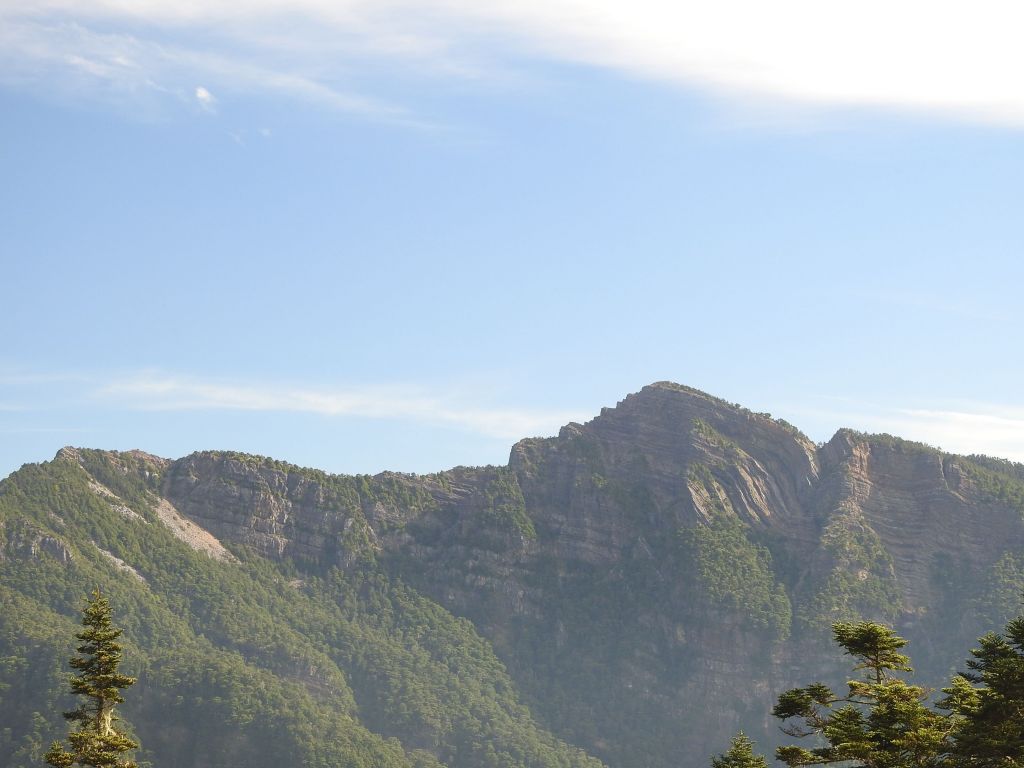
(654, 577)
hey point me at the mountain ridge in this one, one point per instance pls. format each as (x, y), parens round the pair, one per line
(674, 549)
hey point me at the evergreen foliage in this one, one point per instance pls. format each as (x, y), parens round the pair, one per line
(999, 600)
(1002, 484)
(96, 742)
(740, 755)
(253, 662)
(506, 507)
(734, 572)
(345, 660)
(991, 732)
(881, 722)
(861, 582)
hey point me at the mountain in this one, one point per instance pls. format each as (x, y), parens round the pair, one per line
(628, 593)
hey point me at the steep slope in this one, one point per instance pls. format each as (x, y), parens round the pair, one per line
(914, 536)
(240, 661)
(650, 580)
(612, 619)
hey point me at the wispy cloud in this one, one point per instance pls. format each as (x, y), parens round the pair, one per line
(956, 59)
(158, 392)
(967, 428)
(76, 57)
(959, 427)
(980, 431)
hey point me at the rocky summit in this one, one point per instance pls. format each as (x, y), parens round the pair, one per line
(629, 593)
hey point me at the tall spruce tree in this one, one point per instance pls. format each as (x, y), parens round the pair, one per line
(990, 733)
(96, 742)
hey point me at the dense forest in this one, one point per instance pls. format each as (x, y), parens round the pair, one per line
(882, 721)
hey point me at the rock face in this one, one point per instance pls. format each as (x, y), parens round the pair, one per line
(653, 578)
(921, 503)
(30, 543)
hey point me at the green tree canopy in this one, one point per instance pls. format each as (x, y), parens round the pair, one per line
(991, 730)
(96, 742)
(881, 722)
(740, 755)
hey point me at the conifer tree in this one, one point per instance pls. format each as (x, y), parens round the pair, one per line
(882, 722)
(740, 755)
(96, 742)
(991, 730)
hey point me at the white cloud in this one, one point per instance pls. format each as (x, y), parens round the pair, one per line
(949, 58)
(985, 431)
(158, 392)
(205, 98)
(967, 428)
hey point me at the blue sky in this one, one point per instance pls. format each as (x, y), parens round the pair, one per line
(402, 235)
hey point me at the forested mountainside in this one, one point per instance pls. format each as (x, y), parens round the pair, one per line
(628, 593)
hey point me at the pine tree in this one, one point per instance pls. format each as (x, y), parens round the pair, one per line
(882, 722)
(991, 731)
(96, 742)
(740, 755)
